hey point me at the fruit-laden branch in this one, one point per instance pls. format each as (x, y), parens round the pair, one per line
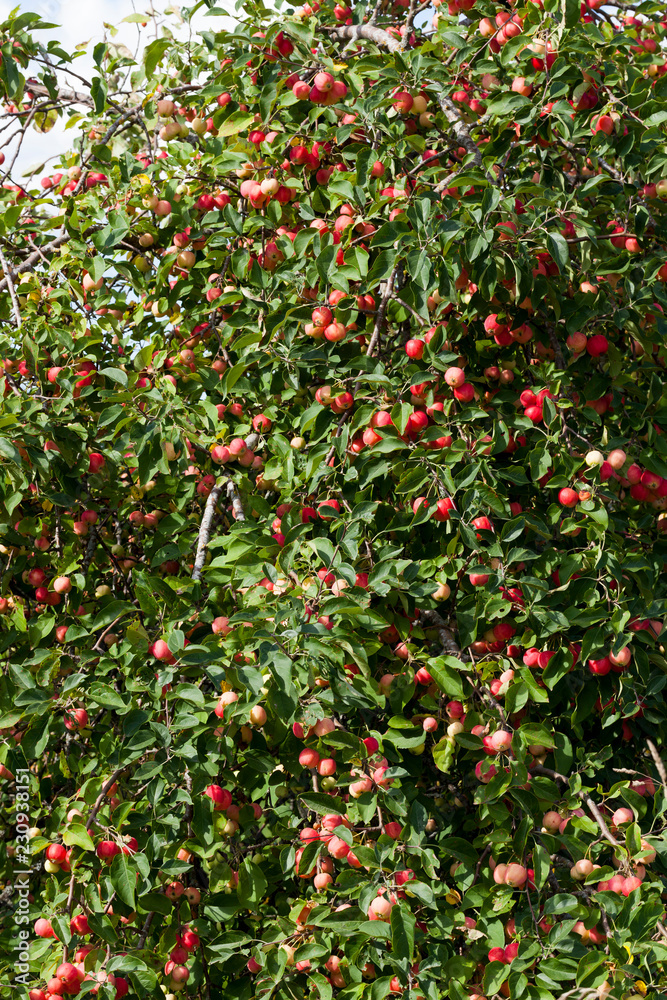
(384, 40)
(30, 261)
(206, 526)
(583, 794)
(459, 127)
(387, 290)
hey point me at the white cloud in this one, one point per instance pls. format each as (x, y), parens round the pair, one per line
(81, 21)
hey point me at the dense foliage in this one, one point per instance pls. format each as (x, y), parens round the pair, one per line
(333, 462)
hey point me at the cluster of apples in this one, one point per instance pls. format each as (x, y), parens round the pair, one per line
(325, 89)
(416, 105)
(324, 325)
(500, 30)
(70, 977)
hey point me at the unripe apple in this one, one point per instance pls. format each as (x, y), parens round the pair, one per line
(551, 821)
(622, 658)
(516, 875)
(257, 715)
(581, 869)
(501, 740)
(617, 458)
(622, 816)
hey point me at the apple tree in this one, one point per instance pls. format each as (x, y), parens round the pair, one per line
(333, 499)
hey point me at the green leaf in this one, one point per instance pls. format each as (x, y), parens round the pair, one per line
(98, 91)
(495, 975)
(153, 54)
(592, 970)
(402, 932)
(236, 123)
(116, 375)
(323, 804)
(252, 884)
(541, 865)
(105, 696)
(321, 986)
(77, 835)
(124, 877)
(558, 248)
(382, 268)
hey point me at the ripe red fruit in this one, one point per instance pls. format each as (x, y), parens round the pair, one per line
(403, 101)
(443, 508)
(219, 796)
(309, 757)
(57, 853)
(161, 651)
(568, 497)
(76, 719)
(415, 348)
(466, 393)
(417, 421)
(597, 345)
(79, 924)
(107, 850)
(95, 462)
(261, 423)
(600, 667)
(483, 524)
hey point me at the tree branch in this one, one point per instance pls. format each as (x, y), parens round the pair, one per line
(355, 32)
(30, 261)
(583, 794)
(12, 291)
(460, 129)
(71, 96)
(382, 310)
(206, 526)
(100, 798)
(658, 763)
(205, 529)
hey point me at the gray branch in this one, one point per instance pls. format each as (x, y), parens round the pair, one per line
(206, 526)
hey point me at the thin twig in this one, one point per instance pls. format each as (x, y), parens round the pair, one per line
(382, 309)
(97, 647)
(658, 762)
(12, 291)
(100, 798)
(144, 931)
(413, 312)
